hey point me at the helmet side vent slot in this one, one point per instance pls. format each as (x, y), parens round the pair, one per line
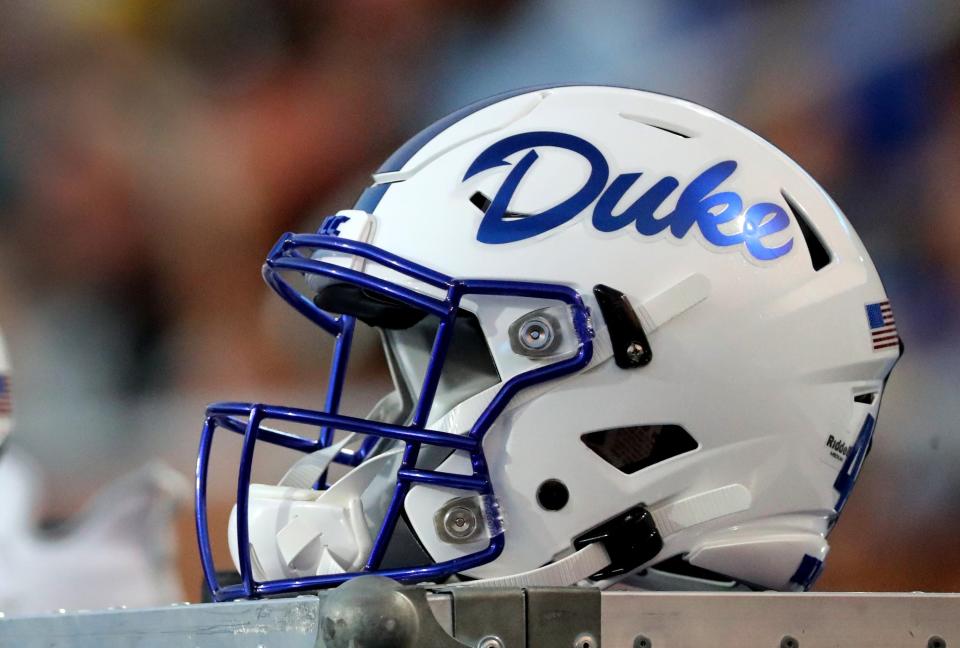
(482, 202)
(672, 129)
(866, 399)
(629, 449)
(820, 256)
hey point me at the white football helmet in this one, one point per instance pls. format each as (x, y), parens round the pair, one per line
(629, 337)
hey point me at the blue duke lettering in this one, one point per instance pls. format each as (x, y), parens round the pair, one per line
(699, 202)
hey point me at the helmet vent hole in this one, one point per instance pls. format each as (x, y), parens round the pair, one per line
(820, 256)
(660, 126)
(481, 202)
(669, 130)
(553, 495)
(866, 399)
(634, 448)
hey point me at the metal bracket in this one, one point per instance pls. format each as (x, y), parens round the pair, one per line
(558, 617)
(491, 615)
(376, 612)
(535, 617)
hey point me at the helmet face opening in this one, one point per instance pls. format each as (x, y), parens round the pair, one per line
(469, 367)
(323, 534)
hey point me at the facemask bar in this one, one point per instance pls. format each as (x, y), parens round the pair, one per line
(247, 418)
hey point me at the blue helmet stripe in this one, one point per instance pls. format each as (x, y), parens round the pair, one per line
(808, 572)
(854, 461)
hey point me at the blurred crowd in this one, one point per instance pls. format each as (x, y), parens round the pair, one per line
(151, 151)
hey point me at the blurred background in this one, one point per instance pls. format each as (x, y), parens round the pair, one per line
(151, 151)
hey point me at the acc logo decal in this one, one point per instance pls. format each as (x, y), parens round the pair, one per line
(331, 225)
(693, 206)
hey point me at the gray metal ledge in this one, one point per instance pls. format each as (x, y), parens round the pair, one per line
(518, 618)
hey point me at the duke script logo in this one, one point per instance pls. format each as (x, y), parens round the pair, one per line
(697, 204)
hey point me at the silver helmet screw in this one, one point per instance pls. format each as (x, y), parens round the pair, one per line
(535, 334)
(490, 642)
(635, 351)
(460, 522)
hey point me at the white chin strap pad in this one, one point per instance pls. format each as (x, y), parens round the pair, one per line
(305, 472)
(298, 532)
(570, 570)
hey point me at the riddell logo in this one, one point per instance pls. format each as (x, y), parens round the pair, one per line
(838, 449)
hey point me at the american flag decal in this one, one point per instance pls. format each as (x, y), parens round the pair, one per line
(6, 407)
(883, 328)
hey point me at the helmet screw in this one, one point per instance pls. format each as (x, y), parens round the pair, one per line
(490, 642)
(460, 522)
(535, 334)
(585, 640)
(635, 351)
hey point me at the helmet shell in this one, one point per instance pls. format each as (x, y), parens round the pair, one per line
(762, 371)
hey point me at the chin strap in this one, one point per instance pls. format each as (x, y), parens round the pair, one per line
(306, 470)
(572, 569)
(629, 540)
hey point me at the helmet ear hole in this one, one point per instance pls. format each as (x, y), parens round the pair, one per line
(553, 495)
(633, 448)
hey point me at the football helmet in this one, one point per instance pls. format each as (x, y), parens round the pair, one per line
(629, 338)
